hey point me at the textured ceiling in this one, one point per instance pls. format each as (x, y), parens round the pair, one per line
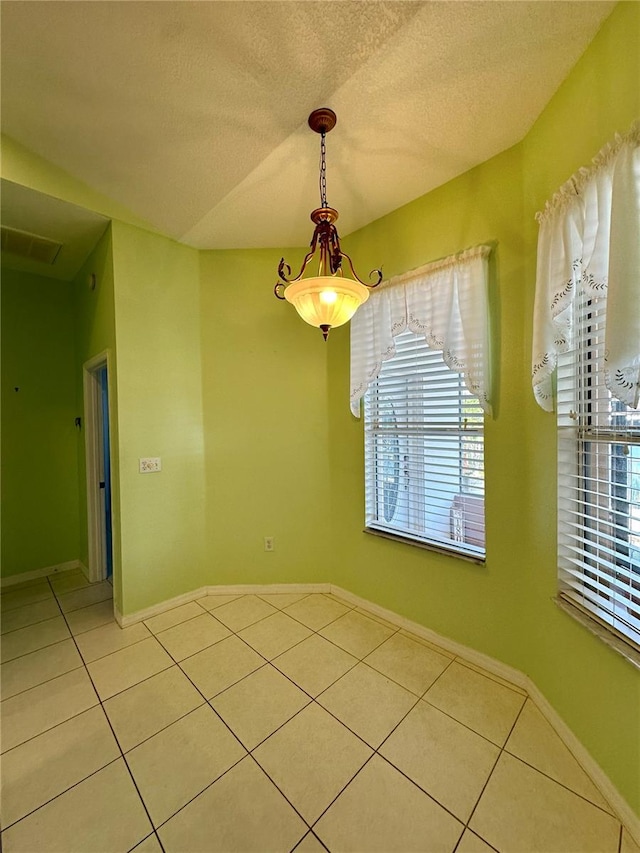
(193, 114)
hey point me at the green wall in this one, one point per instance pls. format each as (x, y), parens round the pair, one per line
(159, 400)
(40, 522)
(264, 397)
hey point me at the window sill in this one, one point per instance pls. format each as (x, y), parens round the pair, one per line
(594, 627)
(447, 552)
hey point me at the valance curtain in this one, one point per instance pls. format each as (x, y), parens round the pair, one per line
(589, 241)
(445, 302)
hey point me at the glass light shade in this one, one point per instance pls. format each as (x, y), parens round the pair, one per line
(326, 300)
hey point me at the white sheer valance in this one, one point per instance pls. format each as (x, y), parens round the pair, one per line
(589, 241)
(445, 302)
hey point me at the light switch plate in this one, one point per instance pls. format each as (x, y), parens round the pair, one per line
(150, 464)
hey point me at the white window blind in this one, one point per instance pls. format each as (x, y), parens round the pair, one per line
(599, 482)
(424, 451)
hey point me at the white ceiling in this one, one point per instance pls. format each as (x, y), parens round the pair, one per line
(193, 114)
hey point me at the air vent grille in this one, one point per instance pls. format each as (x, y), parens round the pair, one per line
(31, 246)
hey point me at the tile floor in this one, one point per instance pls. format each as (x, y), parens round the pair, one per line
(269, 723)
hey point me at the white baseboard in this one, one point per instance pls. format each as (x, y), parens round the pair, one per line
(156, 609)
(231, 589)
(491, 665)
(502, 671)
(11, 580)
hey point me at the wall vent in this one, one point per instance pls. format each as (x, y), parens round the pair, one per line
(31, 246)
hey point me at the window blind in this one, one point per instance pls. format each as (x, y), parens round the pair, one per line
(599, 482)
(424, 451)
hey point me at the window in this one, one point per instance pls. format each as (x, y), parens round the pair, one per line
(587, 325)
(424, 451)
(599, 485)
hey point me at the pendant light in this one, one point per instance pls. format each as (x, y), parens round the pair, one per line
(329, 298)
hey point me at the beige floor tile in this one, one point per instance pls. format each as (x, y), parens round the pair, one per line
(482, 704)
(445, 758)
(471, 843)
(251, 815)
(310, 844)
(146, 708)
(212, 602)
(315, 664)
(283, 599)
(534, 741)
(357, 634)
(64, 582)
(35, 637)
(29, 614)
(149, 845)
(244, 611)
(493, 676)
(375, 617)
(423, 642)
(259, 704)
(35, 668)
(123, 669)
(85, 596)
(521, 809)
(368, 703)
(173, 617)
(102, 813)
(628, 844)
(311, 759)
(315, 611)
(222, 665)
(109, 638)
(193, 636)
(411, 664)
(382, 811)
(29, 594)
(47, 765)
(179, 762)
(93, 616)
(274, 635)
(35, 711)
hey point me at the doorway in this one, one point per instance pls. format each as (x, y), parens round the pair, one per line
(98, 462)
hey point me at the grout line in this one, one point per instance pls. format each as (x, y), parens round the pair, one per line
(495, 763)
(106, 716)
(44, 680)
(60, 793)
(562, 784)
(495, 678)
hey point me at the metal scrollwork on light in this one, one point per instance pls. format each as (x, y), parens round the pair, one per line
(328, 302)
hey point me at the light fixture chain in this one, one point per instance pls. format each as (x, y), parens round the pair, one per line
(323, 171)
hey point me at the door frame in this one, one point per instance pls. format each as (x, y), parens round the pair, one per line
(97, 551)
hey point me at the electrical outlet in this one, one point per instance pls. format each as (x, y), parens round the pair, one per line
(150, 464)
(269, 543)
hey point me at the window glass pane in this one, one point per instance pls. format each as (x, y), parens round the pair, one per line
(424, 451)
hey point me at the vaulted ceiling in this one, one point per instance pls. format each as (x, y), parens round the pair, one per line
(194, 114)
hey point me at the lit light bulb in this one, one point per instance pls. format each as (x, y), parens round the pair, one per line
(328, 297)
